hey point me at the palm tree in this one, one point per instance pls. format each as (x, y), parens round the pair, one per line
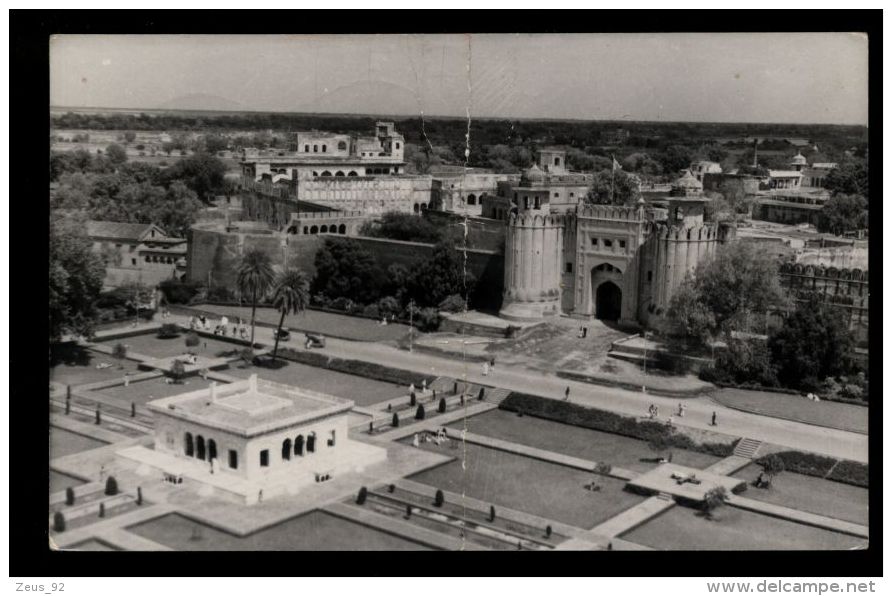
(291, 296)
(255, 277)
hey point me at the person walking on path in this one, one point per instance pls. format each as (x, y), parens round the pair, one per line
(713, 420)
(681, 408)
(567, 393)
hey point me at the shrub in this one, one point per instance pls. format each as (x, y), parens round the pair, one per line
(427, 319)
(177, 370)
(419, 413)
(511, 331)
(408, 511)
(492, 513)
(361, 368)
(772, 464)
(548, 531)
(850, 472)
(119, 351)
(389, 306)
(344, 304)
(452, 303)
(603, 468)
(441, 407)
(98, 416)
(192, 339)
(58, 522)
(371, 311)
(169, 330)
(391, 488)
(220, 294)
(69, 496)
(439, 498)
(809, 464)
(361, 497)
(111, 486)
(139, 495)
(412, 399)
(395, 421)
(101, 509)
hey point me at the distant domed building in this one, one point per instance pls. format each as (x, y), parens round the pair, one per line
(686, 186)
(798, 162)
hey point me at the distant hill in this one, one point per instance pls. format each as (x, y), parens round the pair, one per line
(202, 101)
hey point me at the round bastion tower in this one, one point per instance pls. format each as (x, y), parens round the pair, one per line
(533, 248)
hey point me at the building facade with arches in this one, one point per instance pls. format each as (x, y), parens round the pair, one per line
(615, 263)
(255, 435)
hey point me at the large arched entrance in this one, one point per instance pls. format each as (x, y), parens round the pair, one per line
(608, 301)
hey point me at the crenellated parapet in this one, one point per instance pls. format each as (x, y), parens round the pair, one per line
(820, 271)
(613, 212)
(535, 220)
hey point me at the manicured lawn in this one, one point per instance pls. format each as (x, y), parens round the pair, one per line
(541, 488)
(91, 545)
(331, 324)
(361, 390)
(150, 344)
(807, 493)
(60, 481)
(617, 450)
(64, 442)
(313, 531)
(86, 372)
(826, 413)
(141, 392)
(681, 528)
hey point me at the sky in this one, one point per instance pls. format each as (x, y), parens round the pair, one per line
(714, 77)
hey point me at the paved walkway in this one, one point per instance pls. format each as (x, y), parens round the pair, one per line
(796, 435)
(632, 517)
(729, 465)
(803, 517)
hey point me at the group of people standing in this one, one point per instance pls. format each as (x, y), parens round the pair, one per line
(223, 328)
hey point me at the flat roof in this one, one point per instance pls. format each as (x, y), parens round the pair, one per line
(251, 407)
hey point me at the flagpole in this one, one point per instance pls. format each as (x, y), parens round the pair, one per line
(612, 177)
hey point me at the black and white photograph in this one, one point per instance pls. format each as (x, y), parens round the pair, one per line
(460, 292)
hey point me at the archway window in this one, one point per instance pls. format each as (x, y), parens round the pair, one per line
(190, 445)
(342, 229)
(342, 146)
(233, 459)
(315, 173)
(331, 439)
(311, 442)
(557, 161)
(199, 447)
(326, 173)
(324, 148)
(315, 148)
(608, 301)
(306, 148)
(306, 230)
(286, 449)
(299, 445)
(323, 230)
(212, 450)
(264, 458)
(314, 230)
(424, 206)
(339, 173)
(353, 173)
(472, 200)
(415, 208)
(537, 203)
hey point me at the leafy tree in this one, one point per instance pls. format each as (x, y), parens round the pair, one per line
(724, 291)
(119, 352)
(254, 278)
(849, 179)
(674, 159)
(452, 303)
(361, 497)
(291, 296)
(75, 278)
(442, 275)
(344, 269)
(202, 173)
(116, 154)
(843, 213)
(177, 370)
(129, 136)
(746, 361)
(395, 421)
(613, 188)
(439, 498)
(169, 330)
(772, 465)
(419, 413)
(403, 226)
(714, 498)
(644, 164)
(814, 342)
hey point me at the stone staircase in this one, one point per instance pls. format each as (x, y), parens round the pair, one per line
(665, 496)
(747, 448)
(491, 394)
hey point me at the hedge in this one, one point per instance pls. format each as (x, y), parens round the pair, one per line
(370, 370)
(810, 464)
(602, 420)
